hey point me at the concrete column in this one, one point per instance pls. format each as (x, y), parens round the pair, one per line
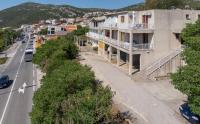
(110, 54)
(118, 51)
(118, 37)
(118, 57)
(130, 53)
(110, 33)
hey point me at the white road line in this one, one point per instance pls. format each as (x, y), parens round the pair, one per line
(9, 97)
(33, 77)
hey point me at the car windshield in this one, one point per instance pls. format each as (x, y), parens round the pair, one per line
(28, 53)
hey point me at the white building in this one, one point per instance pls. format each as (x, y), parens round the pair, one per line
(56, 30)
(145, 41)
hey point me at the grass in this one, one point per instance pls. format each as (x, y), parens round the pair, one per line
(3, 60)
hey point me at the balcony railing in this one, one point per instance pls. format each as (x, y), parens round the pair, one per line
(110, 25)
(144, 46)
(122, 44)
(95, 36)
(135, 26)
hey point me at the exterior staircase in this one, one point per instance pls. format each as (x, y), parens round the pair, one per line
(161, 68)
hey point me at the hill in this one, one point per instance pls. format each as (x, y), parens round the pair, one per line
(28, 13)
(139, 6)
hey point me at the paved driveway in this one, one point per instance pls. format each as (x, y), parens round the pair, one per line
(145, 104)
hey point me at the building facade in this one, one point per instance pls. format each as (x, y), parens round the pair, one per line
(142, 40)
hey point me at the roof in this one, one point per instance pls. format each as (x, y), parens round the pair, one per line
(116, 13)
(29, 50)
(101, 18)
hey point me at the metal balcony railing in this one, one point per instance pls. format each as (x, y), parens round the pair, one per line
(135, 26)
(157, 64)
(124, 45)
(144, 46)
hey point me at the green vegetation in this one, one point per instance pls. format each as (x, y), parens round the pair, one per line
(187, 79)
(29, 13)
(43, 31)
(163, 4)
(7, 37)
(81, 31)
(3, 60)
(168, 4)
(69, 91)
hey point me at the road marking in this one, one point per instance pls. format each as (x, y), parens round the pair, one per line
(9, 97)
(34, 78)
(24, 85)
(21, 90)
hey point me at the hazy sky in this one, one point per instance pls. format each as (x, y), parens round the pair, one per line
(111, 4)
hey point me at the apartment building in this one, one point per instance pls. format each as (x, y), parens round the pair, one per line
(56, 30)
(145, 41)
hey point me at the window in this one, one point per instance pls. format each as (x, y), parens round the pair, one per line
(52, 32)
(130, 18)
(187, 16)
(122, 19)
(95, 24)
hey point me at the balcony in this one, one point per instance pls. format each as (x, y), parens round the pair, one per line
(138, 26)
(124, 45)
(143, 46)
(111, 41)
(93, 35)
(110, 25)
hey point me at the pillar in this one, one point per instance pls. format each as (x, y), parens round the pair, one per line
(118, 57)
(118, 51)
(110, 54)
(130, 54)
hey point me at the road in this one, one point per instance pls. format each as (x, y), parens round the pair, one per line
(14, 105)
(131, 95)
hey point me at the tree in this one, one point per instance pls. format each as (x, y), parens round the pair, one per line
(151, 4)
(69, 91)
(71, 50)
(187, 79)
(167, 4)
(43, 31)
(1, 41)
(81, 31)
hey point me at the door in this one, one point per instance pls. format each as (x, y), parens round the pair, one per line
(145, 21)
(136, 61)
(145, 38)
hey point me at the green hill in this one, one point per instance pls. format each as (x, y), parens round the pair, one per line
(28, 13)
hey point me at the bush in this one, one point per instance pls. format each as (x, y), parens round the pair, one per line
(187, 79)
(69, 92)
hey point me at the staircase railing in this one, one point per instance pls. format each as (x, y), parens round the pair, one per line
(159, 63)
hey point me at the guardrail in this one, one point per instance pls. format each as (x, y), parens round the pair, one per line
(121, 44)
(141, 46)
(159, 63)
(124, 45)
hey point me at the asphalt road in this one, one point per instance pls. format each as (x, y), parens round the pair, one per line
(14, 105)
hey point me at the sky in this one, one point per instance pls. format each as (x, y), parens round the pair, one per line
(109, 4)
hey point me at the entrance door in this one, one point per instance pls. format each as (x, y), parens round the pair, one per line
(145, 38)
(136, 61)
(145, 21)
